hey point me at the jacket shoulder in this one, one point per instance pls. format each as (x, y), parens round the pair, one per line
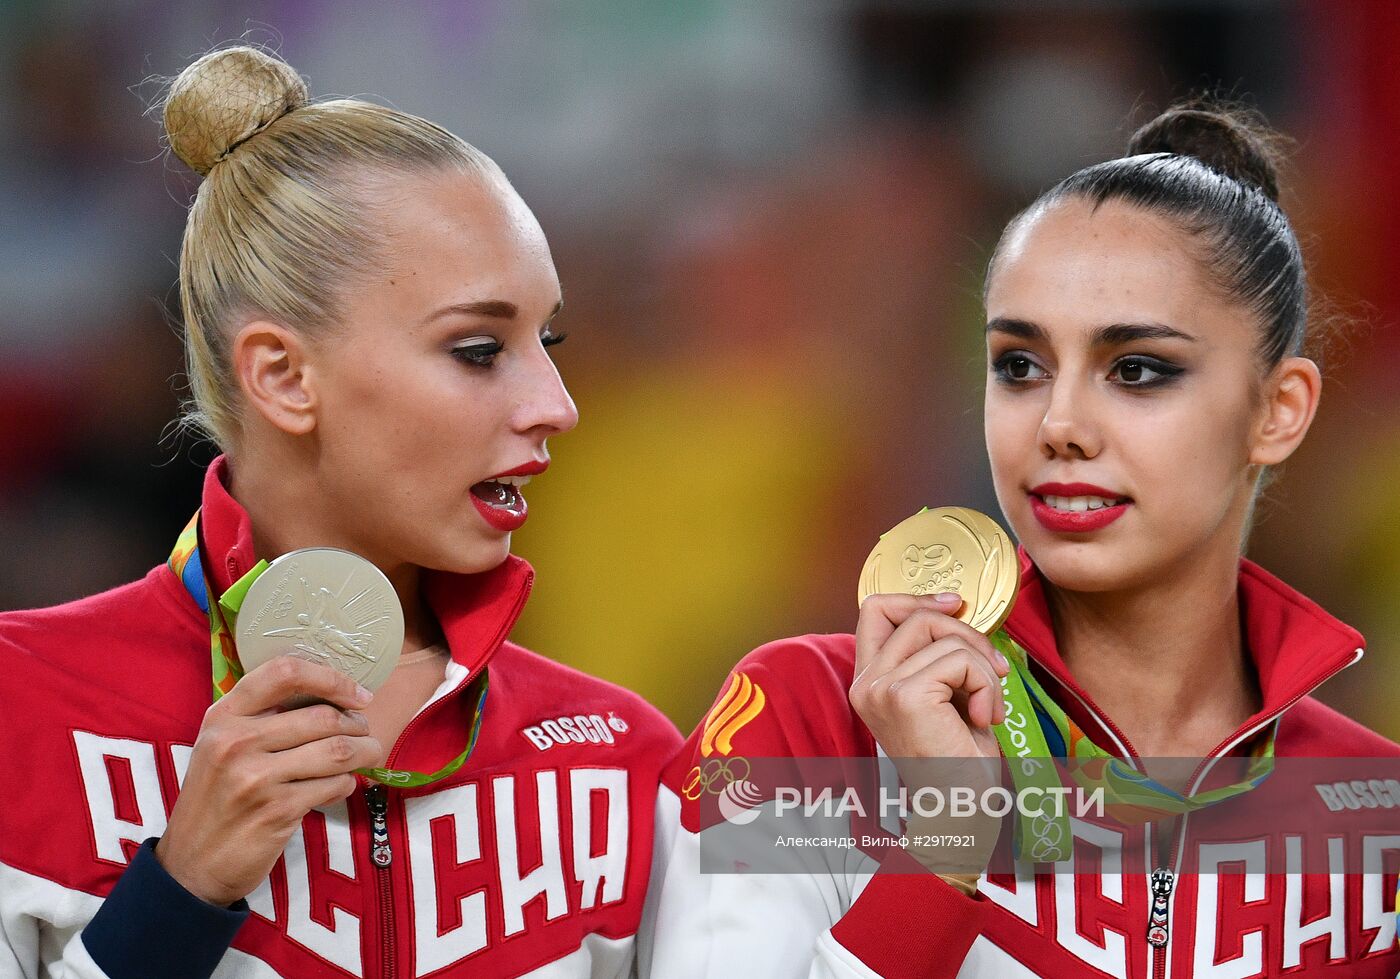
(809, 663)
(550, 687)
(784, 703)
(1313, 728)
(786, 699)
(146, 607)
(121, 675)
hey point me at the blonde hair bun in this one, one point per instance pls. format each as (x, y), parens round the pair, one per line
(226, 98)
(281, 227)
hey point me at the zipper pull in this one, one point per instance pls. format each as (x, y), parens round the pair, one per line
(1163, 881)
(379, 850)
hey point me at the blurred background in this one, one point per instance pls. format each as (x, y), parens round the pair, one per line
(771, 219)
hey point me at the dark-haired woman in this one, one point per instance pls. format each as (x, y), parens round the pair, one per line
(367, 307)
(1146, 322)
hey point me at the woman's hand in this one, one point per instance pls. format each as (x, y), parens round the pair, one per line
(927, 685)
(929, 688)
(257, 769)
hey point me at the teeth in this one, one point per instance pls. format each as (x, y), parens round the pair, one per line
(512, 480)
(1080, 504)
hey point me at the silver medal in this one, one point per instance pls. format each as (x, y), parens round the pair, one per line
(327, 606)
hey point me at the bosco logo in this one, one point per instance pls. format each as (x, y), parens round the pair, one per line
(575, 729)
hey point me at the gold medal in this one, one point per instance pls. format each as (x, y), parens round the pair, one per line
(948, 548)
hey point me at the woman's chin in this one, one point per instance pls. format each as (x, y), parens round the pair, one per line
(1080, 568)
(473, 556)
(484, 557)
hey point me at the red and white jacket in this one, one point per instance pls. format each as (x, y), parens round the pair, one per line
(844, 919)
(533, 860)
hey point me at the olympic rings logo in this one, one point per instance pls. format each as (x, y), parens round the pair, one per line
(1047, 839)
(713, 776)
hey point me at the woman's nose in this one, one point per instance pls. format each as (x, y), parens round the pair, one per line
(1067, 428)
(545, 402)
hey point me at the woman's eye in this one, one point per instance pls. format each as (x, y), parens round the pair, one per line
(478, 353)
(1141, 372)
(1017, 367)
(482, 351)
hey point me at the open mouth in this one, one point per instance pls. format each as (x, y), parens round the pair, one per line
(501, 493)
(1076, 508)
(500, 501)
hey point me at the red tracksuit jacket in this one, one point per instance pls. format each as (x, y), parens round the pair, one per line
(533, 859)
(842, 919)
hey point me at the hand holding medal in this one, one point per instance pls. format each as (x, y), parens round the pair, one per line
(322, 627)
(928, 681)
(332, 608)
(930, 590)
(952, 549)
(317, 631)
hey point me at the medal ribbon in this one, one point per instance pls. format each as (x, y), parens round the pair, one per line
(1037, 731)
(186, 562)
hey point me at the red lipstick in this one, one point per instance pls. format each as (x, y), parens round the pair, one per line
(1058, 520)
(532, 468)
(498, 498)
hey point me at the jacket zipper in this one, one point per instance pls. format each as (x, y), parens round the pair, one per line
(1161, 884)
(381, 854)
(1162, 880)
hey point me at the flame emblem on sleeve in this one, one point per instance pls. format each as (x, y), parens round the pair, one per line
(741, 702)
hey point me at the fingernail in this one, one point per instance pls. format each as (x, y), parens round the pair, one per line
(1002, 659)
(948, 598)
(362, 696)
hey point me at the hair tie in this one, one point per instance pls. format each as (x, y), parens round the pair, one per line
(237, 143)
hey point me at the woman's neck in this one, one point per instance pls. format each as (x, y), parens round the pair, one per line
(280, 500)
(1166, 662)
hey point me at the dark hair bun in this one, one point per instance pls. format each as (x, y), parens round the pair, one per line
(1230, 140)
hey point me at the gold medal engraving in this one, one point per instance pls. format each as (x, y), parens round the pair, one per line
(948, 549)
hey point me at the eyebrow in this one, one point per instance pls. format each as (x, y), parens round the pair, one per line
(1113, 335)
(500, 309)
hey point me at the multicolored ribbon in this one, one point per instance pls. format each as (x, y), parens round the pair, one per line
(1037, 731)
(188, 565)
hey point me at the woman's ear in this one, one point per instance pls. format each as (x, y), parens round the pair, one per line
(1290, 401)
(273, 370)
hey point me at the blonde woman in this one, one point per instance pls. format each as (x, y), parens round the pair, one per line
(368, 308)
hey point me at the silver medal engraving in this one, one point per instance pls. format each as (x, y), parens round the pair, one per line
(327, 606)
